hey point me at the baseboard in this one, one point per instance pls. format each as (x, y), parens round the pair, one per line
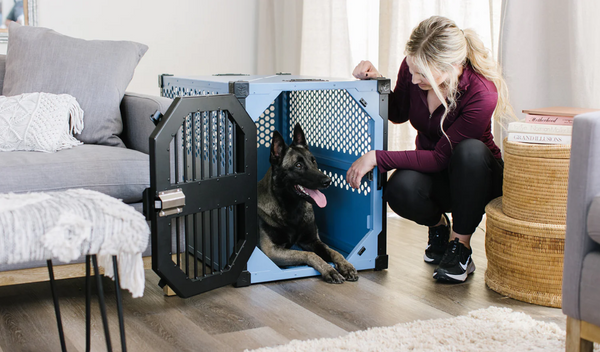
(67, 271)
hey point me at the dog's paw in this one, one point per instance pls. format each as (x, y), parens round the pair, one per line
(348, 272)
(333, 277)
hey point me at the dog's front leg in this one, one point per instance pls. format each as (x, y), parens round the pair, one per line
(342, 265)
(284, 257)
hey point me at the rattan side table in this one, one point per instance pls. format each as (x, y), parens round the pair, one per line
(525, 228)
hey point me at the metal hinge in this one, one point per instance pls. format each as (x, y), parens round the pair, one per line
(171, 202)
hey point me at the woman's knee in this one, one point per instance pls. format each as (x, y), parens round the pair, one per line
(405, 187)
(470, 152)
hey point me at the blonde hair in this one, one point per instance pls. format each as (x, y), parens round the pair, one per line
(438, 44)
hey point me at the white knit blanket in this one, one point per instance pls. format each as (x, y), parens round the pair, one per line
(39, 122)
(68, 224)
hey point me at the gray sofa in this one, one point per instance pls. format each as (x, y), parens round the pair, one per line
(581, 275)
(122, 173)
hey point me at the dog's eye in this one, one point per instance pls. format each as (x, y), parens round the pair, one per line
(298, 165)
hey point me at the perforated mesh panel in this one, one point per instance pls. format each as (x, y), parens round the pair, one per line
(339, 180)
(331, 119)
(265, 125)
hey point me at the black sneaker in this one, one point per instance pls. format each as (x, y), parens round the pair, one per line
(456, 264)
(438, 242)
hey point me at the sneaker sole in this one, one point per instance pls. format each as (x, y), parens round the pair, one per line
(429, 260)
(443, 275)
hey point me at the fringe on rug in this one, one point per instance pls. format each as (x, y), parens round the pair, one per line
(66, 225)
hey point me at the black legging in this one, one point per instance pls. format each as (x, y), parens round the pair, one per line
(472, 179)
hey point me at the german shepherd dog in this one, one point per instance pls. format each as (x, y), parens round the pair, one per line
(286, 196)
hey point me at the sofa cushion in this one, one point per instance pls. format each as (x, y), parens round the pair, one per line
(593, 220)
(118, 172)
(95, 72)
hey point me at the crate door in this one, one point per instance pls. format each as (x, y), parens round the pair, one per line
(202, 196)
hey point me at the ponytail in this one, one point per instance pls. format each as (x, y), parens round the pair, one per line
(438, 44)
(480, 59)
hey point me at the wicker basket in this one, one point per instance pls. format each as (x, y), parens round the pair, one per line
(535, 182)
(525, 259)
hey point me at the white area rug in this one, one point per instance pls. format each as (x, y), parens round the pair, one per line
(490, 329)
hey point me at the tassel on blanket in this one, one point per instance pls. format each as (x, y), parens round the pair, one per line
(76, 120)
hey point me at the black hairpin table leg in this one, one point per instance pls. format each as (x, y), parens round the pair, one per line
(119, 304)
(88, 299)
(100, 292)
(61, 333)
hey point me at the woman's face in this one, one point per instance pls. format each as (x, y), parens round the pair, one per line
(419, 79)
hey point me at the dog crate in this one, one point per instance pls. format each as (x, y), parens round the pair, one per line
(212, 147)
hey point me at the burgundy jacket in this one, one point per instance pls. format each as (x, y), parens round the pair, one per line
(470, 119)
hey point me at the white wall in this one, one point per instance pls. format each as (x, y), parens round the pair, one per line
(185, 37)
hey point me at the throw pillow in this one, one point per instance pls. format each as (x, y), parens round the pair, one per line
(39, 122)
(95, 72)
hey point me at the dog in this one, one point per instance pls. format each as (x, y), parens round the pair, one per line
(286, 196)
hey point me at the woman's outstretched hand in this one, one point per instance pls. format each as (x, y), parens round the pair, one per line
(359, 168)
(365, 70)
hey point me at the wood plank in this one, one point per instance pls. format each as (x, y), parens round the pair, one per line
(229, 309)
(29, 322)
(284, 316)
(234, 309)
(213, 312)
(252, 338)
(355, 305)
(172, 330)
(66, 271)
(159, 315)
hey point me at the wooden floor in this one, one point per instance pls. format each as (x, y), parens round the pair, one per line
(234, 319)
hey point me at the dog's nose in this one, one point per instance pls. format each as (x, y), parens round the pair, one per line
(326, 182)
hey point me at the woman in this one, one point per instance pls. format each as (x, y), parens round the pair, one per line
(449, 88)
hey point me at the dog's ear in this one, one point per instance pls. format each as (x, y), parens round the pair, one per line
(277, 147)
(299, 139)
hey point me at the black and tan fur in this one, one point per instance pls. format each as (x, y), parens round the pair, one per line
(286, 215)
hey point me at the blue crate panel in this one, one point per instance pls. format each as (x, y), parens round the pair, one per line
(338, 129)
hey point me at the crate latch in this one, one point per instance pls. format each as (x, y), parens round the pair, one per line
(171, 202)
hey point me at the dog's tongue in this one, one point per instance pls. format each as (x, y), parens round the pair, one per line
(317, 196)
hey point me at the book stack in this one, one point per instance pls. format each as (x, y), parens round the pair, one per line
(551, 125)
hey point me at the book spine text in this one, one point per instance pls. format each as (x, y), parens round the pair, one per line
(551, 120)
(538, 138)
(539, 128)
